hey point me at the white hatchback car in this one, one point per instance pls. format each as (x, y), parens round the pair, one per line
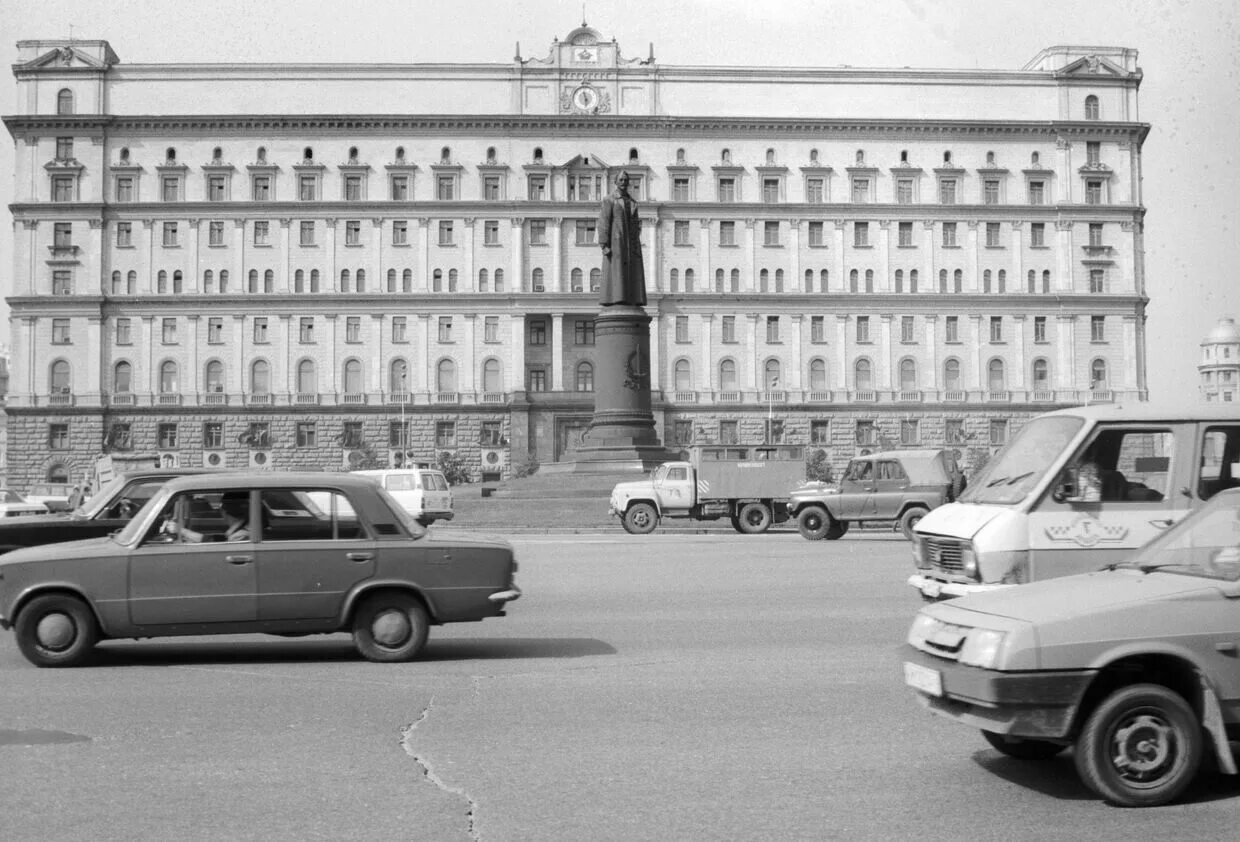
(423, 492)
(13, 504)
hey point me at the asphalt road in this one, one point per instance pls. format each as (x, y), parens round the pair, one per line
(697, 687)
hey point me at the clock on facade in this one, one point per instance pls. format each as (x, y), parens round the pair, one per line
(585, 98)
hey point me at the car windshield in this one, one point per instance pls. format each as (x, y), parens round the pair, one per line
(96, 501)
(1206, 543)
(1021, 465)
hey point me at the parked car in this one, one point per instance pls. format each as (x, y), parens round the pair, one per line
(899, 485)
(423, 492)
(279, 553)
(109, 509)
(54, 495)
(13, 504)
(1134, 666)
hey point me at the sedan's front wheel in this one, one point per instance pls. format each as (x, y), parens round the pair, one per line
(56, 630)
(390, 627)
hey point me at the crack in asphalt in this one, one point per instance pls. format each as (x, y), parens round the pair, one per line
(406, 742)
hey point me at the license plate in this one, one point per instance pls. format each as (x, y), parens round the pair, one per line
(923, 678)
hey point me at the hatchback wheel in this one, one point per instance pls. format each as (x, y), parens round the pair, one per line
(390, 627)
(56, 630)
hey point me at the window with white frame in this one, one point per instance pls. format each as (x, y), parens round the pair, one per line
(949, 235)
(1037, 234)
(905, 235)
(993, 235)
(996, 328)
(907, 332)
(727, 233)
(170, 235)
(816, 236)
(863, 329)
(587, 232)
(490, 232)
(1097, 328)
(770, 233)
(817, 329)
(861, 234)
(445, 232)
(538, 232)
(682, 328)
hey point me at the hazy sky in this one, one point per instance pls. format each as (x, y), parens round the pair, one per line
(1189, 51)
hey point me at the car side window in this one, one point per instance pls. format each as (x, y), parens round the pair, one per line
(308, 514)
(133, 497)
(678, 474)
(1127, 466)
(1219, 467)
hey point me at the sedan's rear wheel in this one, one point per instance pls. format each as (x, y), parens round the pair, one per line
(56, 630)
(390, 627)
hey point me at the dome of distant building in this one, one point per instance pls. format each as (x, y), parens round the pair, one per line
(1219, 370)
(1225, 331)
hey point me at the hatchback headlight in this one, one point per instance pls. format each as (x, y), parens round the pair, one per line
(981, 648)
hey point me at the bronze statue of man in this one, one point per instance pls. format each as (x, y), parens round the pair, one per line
(619, 229)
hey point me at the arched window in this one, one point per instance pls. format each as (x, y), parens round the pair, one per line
(400, 153)
(683, 376)
(490, 154)
(307, 378)
(360, 286)
(726, 156)
(986, 281)
(445, 376)
(538, 154)
(813, 156)
(167, 377)
(869, 280)
(951, 375)
(178, 282)
(958, 280)
(492, 376)
(899, 280)
(947, 156)
(770, 156)
(1046, 281)
(64, 101)
(995, 379)
(352, 154)
(852, 281)
(596, 278)
(719, 280)
(253, 286)
(118, 283)
(314, 280)
(809, 280)
(908, 375)
(391, 280)
(260, 378)
(537, 278)
(585, 377)
(215, 376)
(943, 281)
(398, 377)
(122, 377)
(735, 281)
(484, 280)
(822, 281)
(772, 375)
(499, 280)
(353, 377)
(912, 280)
(445, 155)
(307, 154)
(208, 281)
(727, 375)
(818, 375)
(170, 155)
(764, 281)
(58, 473)
(299, 281)
(673, 281)
(633, 155)
(1091, 107)
(779, 280)
(217, 154)
(59, 380)
(1041, 374)
(1034, 158)
(262, 154)
(863, 376)
(344, 280)
(161, 282)
(860, 156)
(269, 281)
(406, 281)
(577, 280)
(1098, 374)
(1002, 280)
(1033, 281)
(124, 154)
(680, 155)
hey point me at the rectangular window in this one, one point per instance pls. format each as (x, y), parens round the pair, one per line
(58, 436)
(169, 331)
(866, 433)
(1095, 234)
(906, 329)
(537, 380)
(814, 192)
(445, 188)
(62, 282)
(998, 431)
(490, 232)
(170, 188)
(951, 325)
(259, 435)
(817, 329)
(215, 188)
(770, 190)
(816, 235)
(772, 329)
(353, 232)
(490, 329)
(947, 191)
(1039, 328)
(308, 188)
(491, 434)
(861, 234)
(863, 328)
(587, 232)
(538, 333)
(352, 435)
(400, 232)
(170, 234)
(728, 329)
(64, 149)
(353, 329)
(727, 233)
(682, 328)
(949, 235)
(1093, 153)
(1097, 280)
(680, 189)
(992, 234)
(445, 434)
(124, 188)
(909, 431)
(1097, 328)
(400, 329)
(166, 436)
(538, 232)
(305, 330)
(215, 331)
(682, 433)
(819, 432)
(953, 431)
(906, 234)
(124, 335)
(770, 233)
(62, 235)
(996, 328)
(262, 233)
(260, 188)
(400, 188)
(124, 234)
(1037, 234)
(538, 188)
(860, 191)
(727, 189)
(215, 234)
(213, 435)
(1093, 192)
(680, 233)
(307, 233)
(904, 191)
(305, 434)
(729, 432)
(445, 328)
(990, 191)
(583, 331)
(1037, 192)
(62, 188)
(490, 188)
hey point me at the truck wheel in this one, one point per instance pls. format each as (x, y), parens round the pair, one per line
(836, 530)
(813, 523)
(754, 518)
(56, 630)
(736, 523)
(909, 519)
(640, 519)
(1023, 749)
(1140, 747)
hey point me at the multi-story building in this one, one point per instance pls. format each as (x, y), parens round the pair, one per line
(1220, 362)
(295, 265)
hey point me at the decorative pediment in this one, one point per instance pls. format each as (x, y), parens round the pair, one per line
(1092, 66)
(585, 162)
(68, 57)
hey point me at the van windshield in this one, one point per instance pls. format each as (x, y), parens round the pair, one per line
(1017, 469)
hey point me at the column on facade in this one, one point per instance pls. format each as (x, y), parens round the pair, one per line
(375, 340)
(282, 371)
(1125, 261)
(657, 378)
(470, 381)
(841, 280)
(333, 356)
(424, 374)
(884, 256)
(796, 283)
(25, 343)
(888, 363)
(1065, 342)
(516, 353)
(755, 365)
(557, 352)
(94, 351)
(654, 248)
(379, 284)
(979, 357)
(842, 352)
(792, 377)
(557, 255)
(1017, 282)
(238, 345)
(973, 279)
(930, 378)
(1129, 341)
(284, 281)
(749, 283)
(1019, 377)
(238, 257)
(706, 282)
(423, 284)
(931, 269)
(146, 284)
(151, 362)
(191, 382)
(29, 284)
(706, 381)
(98, 257)
(468, 282)
(1064, 282)
(1063, 168)
(518, 255)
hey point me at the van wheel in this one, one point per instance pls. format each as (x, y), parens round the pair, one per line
(755, 518)
(837, 530)
(390, 627)
(56, 630)
(1023, 749)
(640, 519)
(1140, 747)
(813, 523)
(909, 519)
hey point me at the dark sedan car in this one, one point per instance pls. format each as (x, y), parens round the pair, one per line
(280, 553)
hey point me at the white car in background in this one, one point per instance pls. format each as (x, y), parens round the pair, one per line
(13, 504)
(422, 492)
(54, 495)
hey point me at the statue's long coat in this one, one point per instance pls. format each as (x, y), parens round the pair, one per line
(624, 278)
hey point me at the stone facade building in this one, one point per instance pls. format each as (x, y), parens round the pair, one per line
(1220, 362)
(299, 265)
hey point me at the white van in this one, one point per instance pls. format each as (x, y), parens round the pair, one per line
(424, 492)
(1075, 490)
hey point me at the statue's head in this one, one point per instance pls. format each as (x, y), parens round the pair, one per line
(622, 180)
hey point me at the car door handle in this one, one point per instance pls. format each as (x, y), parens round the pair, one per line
(360, 556)
(239, 559)
(1162, 524)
